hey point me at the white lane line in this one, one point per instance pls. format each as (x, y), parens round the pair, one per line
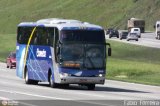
(48, 97)
(88, 93)
(3, 98)
(67, 92)
(35, 95)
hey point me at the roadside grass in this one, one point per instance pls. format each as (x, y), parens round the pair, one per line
(7, 44)
(134, 63)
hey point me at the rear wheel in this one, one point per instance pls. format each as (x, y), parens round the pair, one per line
(65, 86)
(29, 81)
(91, 86)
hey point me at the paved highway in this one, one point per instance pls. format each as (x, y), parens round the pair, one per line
(113, 93)
(147, 39)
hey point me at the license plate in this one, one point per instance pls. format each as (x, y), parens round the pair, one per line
(83, 80)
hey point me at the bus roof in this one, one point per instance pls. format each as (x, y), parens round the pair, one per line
(62, 24)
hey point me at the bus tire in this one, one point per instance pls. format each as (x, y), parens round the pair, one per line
(51, 82)
(91, 86)
(65, 86)
(34, 82)
(27, 80)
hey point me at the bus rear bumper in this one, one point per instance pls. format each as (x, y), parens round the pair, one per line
(83, 80)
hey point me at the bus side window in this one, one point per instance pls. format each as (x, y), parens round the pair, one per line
(19, 36)
(34, 39)
(50, 36)
(41, 36)
(56, 39)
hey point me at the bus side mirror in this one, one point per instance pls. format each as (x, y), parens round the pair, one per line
(58, 50)
(109, 49)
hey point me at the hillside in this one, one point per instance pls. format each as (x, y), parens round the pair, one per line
(107, 13)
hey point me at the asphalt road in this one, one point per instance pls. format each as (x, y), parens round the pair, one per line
(147, 39)
(14, 91)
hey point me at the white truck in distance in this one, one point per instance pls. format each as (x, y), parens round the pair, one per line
(157, 27)
(136, 30)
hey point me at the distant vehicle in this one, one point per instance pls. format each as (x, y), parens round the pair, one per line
(136, 23)
(11, 60)
(109, 30)
(136, 30)
(114, 33)
(132, 36)
(157, 28)
(123, 35)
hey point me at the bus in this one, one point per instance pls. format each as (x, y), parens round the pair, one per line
(61, 52)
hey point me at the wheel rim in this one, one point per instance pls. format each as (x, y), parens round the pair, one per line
(26, 78)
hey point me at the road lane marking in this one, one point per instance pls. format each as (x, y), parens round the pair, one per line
(3, 98)
(67, 92)
(35, 95)
(48, 97)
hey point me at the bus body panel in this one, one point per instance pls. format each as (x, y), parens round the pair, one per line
(20, 53)
(55, 71)
(38, 62)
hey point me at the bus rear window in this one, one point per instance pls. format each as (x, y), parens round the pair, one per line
(93, 36)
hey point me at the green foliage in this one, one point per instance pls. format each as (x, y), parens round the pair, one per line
(7, 44)
(107, 13)
(134, 63)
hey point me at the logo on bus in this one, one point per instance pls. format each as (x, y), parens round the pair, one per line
(41, 53)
